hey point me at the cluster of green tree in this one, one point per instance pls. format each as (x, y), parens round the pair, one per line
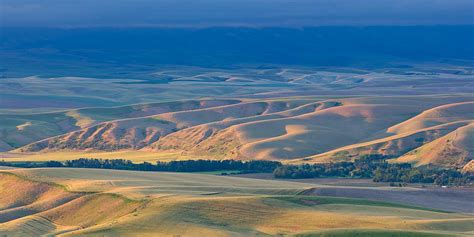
(391, 173)
(361, 168)
(254, 166)
(375, 167)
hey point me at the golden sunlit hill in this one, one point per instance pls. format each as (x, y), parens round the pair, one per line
(291, 115)
(292, 129)
(454, 149)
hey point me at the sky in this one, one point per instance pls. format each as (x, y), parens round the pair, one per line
(257, 13)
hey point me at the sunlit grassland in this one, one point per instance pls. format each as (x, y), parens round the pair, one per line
(210, 205)
(135, 156)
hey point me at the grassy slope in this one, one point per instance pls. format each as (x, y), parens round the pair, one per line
(362, 123)
(142, 129)
(395, 145)
(288, 134)
(453, 149)
(136, 156)
(264, 215)
(293, 128)
(140, 184)
(199, 204)
(21, 129)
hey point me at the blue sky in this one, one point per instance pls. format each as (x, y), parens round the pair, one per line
(203, 13)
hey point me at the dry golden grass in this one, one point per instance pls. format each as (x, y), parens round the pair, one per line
(469, 167)
(140, 131)
(395, 145)
(439, 115)
(29, 127)
(294, 129)
(19, 193)
(454, 149)
(223, 216)
(166, 204)
(90, 210)
(358, 126)
(136, 184)
(34, 226)
(135, 156)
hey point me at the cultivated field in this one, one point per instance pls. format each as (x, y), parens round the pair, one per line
(106, 202)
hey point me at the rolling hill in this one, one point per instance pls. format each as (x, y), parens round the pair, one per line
(454, 149)
(71, 202)
(21, 129)
(291, 129)
(288, 114)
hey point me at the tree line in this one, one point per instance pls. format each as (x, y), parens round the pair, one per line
(376, 168)
(252, 166)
